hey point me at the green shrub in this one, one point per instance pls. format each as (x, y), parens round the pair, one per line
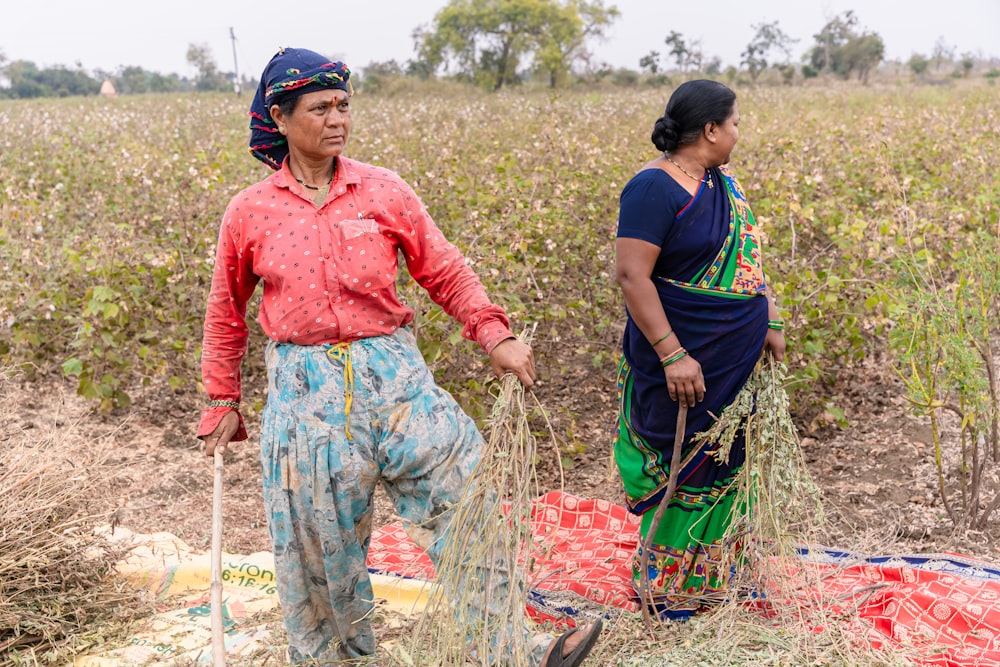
(110, 212)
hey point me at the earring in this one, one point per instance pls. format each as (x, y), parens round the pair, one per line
(281, 129)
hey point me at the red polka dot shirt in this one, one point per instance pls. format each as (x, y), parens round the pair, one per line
(329, 272)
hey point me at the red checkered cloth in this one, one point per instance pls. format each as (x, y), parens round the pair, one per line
(581, 558)
(943, 609)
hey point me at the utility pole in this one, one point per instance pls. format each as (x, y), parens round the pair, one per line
(236, 67)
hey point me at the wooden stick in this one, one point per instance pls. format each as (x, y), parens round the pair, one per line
(645, 591)
(218, 629)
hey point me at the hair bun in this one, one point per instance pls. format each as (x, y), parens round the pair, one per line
(665, 134)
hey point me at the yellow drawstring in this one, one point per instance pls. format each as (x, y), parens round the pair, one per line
(342, 352)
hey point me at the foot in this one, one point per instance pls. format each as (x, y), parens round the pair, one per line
(570, 642)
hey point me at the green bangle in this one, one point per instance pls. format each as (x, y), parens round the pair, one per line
(662, 338)
(677, 357)
(777, 325)
(235, 405)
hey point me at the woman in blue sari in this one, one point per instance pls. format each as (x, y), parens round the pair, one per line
(698, 318)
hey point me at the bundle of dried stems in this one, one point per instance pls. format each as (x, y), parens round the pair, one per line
(58, 589)
(477, 610)
(776, 611)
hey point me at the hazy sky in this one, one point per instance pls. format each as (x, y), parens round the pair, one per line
(108, 34)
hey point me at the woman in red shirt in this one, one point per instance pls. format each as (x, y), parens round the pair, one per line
(351, 402)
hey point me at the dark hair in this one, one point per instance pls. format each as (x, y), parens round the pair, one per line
(287, 103)
(692, 106)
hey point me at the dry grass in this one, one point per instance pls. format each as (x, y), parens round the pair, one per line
(798, 623)
(476, 611)
(58, 591)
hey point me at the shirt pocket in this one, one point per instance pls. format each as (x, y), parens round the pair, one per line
(369, 256)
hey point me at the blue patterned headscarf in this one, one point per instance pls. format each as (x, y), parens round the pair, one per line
(291, 72)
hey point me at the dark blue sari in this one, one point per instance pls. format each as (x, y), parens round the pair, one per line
(710, 285)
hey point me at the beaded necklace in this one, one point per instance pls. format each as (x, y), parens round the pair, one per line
(707, 179)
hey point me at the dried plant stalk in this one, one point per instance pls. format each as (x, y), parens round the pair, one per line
(775, 612)
(58, 588)
(775, 607)
(478, 609)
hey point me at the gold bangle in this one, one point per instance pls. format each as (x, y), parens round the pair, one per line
(220, 403)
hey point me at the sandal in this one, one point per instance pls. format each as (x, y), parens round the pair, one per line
(556, 658)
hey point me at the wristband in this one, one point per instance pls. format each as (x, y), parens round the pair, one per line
(235, 405)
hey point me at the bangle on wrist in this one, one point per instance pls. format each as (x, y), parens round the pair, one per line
(235, 405)
(777, 325)
(662, 338)
(680, 348)
(676, 355)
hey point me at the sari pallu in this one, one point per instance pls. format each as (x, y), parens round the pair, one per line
(716, 307)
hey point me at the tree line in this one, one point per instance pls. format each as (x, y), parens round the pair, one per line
(25, 79)
(500, 43)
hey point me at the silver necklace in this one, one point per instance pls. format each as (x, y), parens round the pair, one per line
(707, 179)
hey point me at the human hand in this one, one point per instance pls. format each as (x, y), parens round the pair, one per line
(514, 356)
(775, 343)
(685, 382)
(218, 439)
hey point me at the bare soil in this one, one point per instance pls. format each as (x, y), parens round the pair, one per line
(876, 472)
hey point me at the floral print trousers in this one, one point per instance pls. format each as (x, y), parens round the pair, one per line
(339, 420)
